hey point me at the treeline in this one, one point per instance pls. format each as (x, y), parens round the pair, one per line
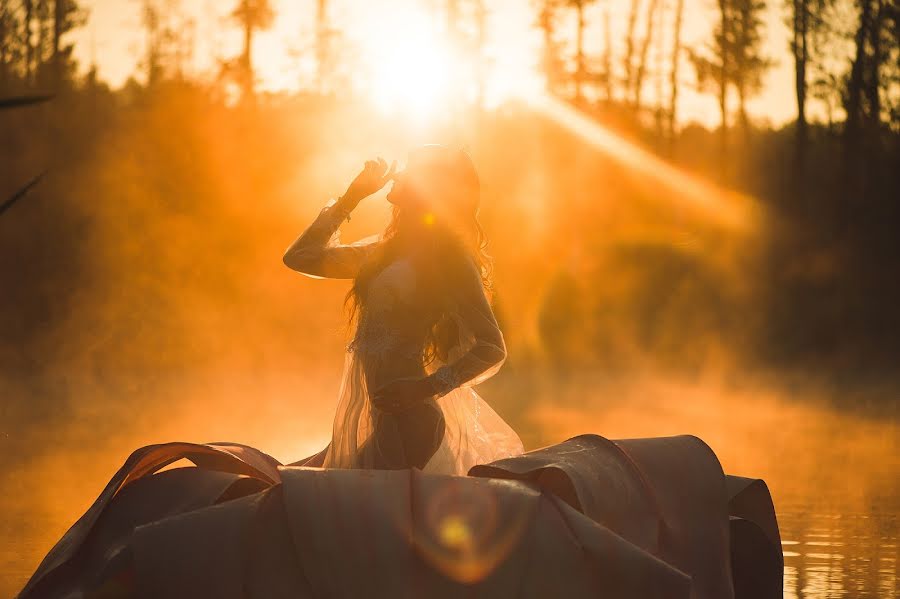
(33, 51)
(824, 295)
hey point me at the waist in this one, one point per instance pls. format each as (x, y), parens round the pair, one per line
(381, 372)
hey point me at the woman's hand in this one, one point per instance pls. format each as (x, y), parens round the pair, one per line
(374, 176)
(402, 394)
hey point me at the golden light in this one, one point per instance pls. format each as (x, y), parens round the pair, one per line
(411, 65)
(455, 533)
(416, 70)
(729, 209)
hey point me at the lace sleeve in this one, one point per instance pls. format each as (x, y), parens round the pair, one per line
(318, 251)
(479, 333)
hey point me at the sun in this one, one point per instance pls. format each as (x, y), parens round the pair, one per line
(411, 65)
(415, 70)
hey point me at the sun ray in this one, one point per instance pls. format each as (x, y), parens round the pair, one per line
(727, 208)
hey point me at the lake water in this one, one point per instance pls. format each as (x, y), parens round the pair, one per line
(833, 476)
(839, 554)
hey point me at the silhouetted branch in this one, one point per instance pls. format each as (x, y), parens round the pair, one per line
(21, 193)
(24, 101)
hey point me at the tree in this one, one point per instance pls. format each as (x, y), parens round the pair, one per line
(749, 62)
(628, 59)
(866, 83)
(713, 64)
(800, 19)
(642, 61)
(169, 40)
(9, 44)
(27, 39)
(676, 57)
(809, 24)
(32, 46)
(734, 58)
(43, 43)
(253, 16)
(552, 64)
(861, 100)
(581, 70)
(67, 16)
(607, 59)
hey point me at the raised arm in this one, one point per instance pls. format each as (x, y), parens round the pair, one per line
(318, 252)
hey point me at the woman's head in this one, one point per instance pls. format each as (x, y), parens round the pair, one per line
(439, 186)
(435, 222)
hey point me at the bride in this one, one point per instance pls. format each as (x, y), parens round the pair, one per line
(424, 330)
(637, 518)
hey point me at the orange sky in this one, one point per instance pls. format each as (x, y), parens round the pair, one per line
(282, 55)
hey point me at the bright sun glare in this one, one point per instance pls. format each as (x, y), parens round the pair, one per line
(417, 71)
(411, 66)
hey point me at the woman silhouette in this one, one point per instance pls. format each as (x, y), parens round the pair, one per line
(424, 330)
(241, 524)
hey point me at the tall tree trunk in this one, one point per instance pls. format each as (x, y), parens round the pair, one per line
(29, 47)
(42, 35)
(676, 57)
(742, 108)
(854, 165)
(607, 59)
(546, 18)
(645, 48)
(59, 13)
(660, 69)
(741, 64)
(579, 55)
(723, 79)
(873, 75)
(853, 102)
(801, 55)
(3, 43)
(629, 49)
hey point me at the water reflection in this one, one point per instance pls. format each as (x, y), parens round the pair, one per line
(839, 555)
(832, 474)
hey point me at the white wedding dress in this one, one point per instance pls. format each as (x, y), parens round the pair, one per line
(389, 344)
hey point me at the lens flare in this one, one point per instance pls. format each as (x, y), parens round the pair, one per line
(469, 526)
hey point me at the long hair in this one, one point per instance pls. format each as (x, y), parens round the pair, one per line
(440, 261)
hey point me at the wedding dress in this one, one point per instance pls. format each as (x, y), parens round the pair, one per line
(389, 343)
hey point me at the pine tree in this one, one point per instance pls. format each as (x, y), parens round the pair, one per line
(252, 16)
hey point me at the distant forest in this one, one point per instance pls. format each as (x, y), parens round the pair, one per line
(159, 199)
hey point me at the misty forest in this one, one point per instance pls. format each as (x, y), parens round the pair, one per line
(735, 278)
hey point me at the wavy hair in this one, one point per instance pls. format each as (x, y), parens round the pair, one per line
(440, 267)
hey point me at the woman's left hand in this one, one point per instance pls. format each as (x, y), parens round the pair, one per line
(401, 394)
